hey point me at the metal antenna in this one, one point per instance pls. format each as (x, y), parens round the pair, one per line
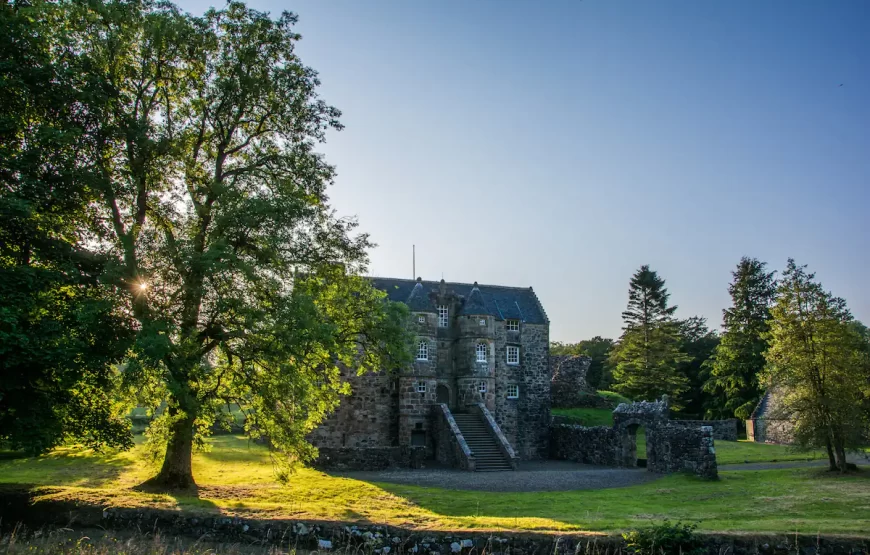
(413, 261)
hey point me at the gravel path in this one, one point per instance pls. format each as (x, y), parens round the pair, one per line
(532, 476)
(542, 476)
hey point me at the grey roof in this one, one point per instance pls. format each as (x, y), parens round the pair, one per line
(504, 303)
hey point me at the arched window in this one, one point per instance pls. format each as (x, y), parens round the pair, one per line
(423, 350)
(481, 352)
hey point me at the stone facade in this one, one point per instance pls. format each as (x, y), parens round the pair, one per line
(568, 386)
(669, 447)
(770, 423)
(474, 344)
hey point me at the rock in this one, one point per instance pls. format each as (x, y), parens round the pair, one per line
(455, 547)
(324, 544)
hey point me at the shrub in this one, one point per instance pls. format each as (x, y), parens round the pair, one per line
(664, 539)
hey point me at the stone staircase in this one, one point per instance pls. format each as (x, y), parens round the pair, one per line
(488, 456)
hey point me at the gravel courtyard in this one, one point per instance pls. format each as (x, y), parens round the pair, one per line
(532, 476)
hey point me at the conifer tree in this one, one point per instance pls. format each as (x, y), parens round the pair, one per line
(739, 358)
(646, 359)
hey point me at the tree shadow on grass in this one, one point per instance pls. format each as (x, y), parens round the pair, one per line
(69, 466)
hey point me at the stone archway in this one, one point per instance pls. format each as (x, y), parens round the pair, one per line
(442, 394)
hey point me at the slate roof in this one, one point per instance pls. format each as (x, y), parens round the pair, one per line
(498, 301)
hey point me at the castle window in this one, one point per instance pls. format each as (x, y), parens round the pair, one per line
(513, 325)
(513, 391)
(421, 319)
(481, 387)
(513, 354)
(443, 314)
(483, 321)
(481, 352)
(423, 350)
(421, 387)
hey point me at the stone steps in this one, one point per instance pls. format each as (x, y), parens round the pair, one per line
(487, 452)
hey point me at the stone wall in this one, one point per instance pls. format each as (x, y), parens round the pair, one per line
(766, 430)
(597, 445)
(450, 446)
(568, 385)
(680, 449)
(723, 430)
(534, 402)
(669, 447)
(365, 419)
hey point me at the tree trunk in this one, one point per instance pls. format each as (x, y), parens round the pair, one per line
(832, 462)
(176, 472)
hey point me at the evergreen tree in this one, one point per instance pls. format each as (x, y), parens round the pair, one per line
(698, 342)
(816, 359)
(737, 361)
(646, 359)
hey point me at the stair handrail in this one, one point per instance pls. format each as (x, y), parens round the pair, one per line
(503, 443)
(464, 454)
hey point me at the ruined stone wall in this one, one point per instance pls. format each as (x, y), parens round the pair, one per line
(568, 387)
(680, 449)
(669, 447)
(723, 430)
(599, 445)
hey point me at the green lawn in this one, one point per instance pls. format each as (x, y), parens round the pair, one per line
(236, 478)
(587, 417)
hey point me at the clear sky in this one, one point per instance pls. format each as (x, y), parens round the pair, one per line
(563, 144)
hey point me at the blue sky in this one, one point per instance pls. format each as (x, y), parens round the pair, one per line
(563, 144)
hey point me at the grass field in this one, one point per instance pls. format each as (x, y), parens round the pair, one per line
(236, 477)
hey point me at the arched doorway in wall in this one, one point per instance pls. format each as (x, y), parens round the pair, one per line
(636, 444)
(442, 394)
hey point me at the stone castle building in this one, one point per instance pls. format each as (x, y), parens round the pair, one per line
(477, 394)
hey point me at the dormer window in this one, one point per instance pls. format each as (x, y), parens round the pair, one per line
(423, 350)
(443, 316)
(421, 319)
(481, 352)
(513, 325)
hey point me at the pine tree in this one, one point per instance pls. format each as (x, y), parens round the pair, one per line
(815, 359)
(739, 358)
(646, 359)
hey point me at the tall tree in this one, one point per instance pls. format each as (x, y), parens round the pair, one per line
(815, 360)
(60, 330)
(698, 342)
(212, 209)
(598, 350)
(739, 358)
(646, 359)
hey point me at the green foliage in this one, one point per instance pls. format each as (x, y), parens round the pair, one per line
(816, 361)
(587, 416)
(738, 360)
(598, 350)
(646, 360)
(207, 207)
(665, 538)
(615, 398)
(698, 342)
(61, 331)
